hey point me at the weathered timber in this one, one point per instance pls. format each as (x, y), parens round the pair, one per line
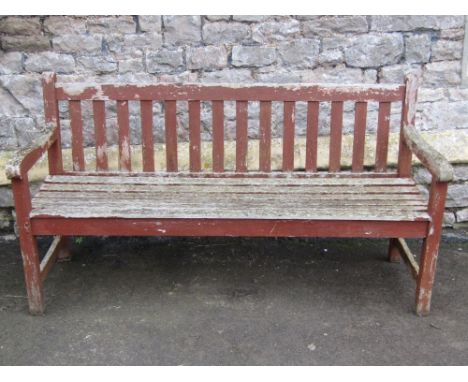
(407, 256)
(383, 129)
(54, 252)
(241, 136)
(430, 247)
(226, 227)
(51, 116)
(99, 113)
(312, 136)
(211, 200)
(232, 92)
(27, 156)
(408, 117)
(152, 197)
(76, 125)
(360, 120)
(435, 162)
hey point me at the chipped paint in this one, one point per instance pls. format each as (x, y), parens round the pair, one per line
(412, 86)
(13, 168)
(101, 152)
(223, 204)
(125, 152)
(431, 158)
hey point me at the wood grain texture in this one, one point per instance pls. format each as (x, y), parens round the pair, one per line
(125, 161)
(430, 247)
(327, 199)
(312, 136)
(359, 138)
(383, 129)
(28, 245)
(289, 121)
(218, 136)
(146, 108)
(59, 244)
(76, 126)
(336, 132)
(230, 92)
(171, 135)
(226, 227)
(99, 116)
(265, 136)
(408, 117)
(259, 178)
(241, 136)
(408, 257)
(194, 136)
(51, 116)
(436, 164)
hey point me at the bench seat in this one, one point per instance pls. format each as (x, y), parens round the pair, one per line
(200, 197)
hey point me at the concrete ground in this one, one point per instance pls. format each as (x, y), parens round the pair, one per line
(228, 301)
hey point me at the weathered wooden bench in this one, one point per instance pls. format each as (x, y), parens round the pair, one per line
(359, 202)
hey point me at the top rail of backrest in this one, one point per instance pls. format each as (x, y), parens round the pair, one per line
(231, 92)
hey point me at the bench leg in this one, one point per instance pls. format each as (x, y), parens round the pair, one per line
(426, 277)
(28, 245)
(430, 249)
(64, 250)
(32, 273)
(393, 252)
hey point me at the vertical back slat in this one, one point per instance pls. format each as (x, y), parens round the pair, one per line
(147, 144)
(288, 135)
(265, 136)
(359, 138)
(336, 127)
(51, 115)
(76, 125)
(194, 136)
(218, 136)
(312, 135)
(125, 163)
(99, 115)
(171, 135)
(381, 153)
(241, 135)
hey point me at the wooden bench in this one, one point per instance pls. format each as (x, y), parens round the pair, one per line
(360, 202)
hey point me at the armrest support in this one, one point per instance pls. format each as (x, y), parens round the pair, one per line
(26, 157)
(437, 165)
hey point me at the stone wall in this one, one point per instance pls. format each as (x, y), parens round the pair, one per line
(239, 49)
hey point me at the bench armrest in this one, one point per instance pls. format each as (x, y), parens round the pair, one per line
(26, 157)
(435, 162)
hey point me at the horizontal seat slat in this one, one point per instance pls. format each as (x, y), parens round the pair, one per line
(132, 212)
(386, 199)
(220, 198)
(269, 181)
(250, 174)
(350, 191)
(232, 92)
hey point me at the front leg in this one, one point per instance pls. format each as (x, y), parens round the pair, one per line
(430, 248)
(28, 244)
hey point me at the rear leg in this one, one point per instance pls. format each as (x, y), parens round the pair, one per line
(393, 252)
(64, 249)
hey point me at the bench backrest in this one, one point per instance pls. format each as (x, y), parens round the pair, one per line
(171, 95)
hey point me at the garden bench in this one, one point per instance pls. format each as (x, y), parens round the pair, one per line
(354, 202)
